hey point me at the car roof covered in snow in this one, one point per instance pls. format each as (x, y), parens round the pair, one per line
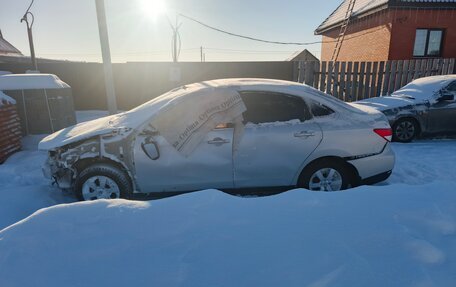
(137, 117)
(31, 82)
(425, 88)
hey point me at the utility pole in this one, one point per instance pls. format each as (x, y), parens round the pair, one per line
(106, 55)
(176, 39)
(30, 35)
(175, 43)
(201, 53)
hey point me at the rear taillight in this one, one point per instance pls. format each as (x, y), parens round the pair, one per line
(387, 134)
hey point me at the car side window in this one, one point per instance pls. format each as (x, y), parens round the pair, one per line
(269, 107)
(320, 110)
(452, 87)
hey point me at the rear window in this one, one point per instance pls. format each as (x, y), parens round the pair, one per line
(320, 110)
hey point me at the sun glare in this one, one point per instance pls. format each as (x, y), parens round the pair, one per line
(153, 8)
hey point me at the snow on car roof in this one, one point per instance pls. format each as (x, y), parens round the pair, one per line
(203, 93)
(144, 111)
(4, 99)
(425, 88)
(31, 82)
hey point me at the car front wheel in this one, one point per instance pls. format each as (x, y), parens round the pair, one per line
(325, 176)
(405, 130)
(102, 181)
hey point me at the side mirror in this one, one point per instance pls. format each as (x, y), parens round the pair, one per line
(446, 97)
(150, 148)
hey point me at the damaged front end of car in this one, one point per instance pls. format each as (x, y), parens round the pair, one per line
(65, 163)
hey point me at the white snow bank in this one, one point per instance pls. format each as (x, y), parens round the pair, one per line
(31, 81)
(4, 99)
(23, 189)
(424, 161)
(371, 236)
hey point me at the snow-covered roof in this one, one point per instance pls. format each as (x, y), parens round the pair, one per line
(362, 7)
(31, 82)
(4, 99)
(7, 49)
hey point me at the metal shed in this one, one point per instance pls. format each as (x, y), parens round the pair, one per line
(44, 102)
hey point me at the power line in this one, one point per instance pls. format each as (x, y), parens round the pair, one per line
(251, 51)
(273, 42)
(247, 37)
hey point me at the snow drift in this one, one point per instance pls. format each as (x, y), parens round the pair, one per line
(395, 235)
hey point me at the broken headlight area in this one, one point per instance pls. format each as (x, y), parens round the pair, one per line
(57, 171)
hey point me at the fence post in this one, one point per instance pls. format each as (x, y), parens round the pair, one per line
(328, 77)
(360, 94)
(373, 82)
(316, 74)
(323, 76)
(381, 72)
(349, 83)
(354, 94)
(335, 80)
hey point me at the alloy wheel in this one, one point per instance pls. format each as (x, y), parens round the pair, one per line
(326, 179)
(405, 131)
(100, 187)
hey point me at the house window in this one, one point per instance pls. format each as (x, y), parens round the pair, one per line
(428, 43)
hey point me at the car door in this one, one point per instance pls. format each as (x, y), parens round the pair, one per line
(161, 168)
(277, 139)
(442, 114)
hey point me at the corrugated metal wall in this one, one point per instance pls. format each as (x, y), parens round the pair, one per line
(10, 130)
(44, 111)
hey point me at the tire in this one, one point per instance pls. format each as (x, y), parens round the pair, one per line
(102, 181)
(405, 130)
(325, 175)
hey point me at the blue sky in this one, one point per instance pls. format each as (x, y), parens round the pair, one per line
(68, 29)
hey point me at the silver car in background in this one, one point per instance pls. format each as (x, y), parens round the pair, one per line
(289, 135)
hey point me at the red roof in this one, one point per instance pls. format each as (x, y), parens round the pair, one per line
(365, 7)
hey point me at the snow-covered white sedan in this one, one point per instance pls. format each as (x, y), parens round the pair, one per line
(226, 134)
(424, 106)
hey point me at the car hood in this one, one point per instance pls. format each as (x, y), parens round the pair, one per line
(387, 102)
(72, 134)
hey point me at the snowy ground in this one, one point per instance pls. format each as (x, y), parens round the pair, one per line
(398, 233)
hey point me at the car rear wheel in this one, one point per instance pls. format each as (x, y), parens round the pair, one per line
(405, 130)
(326, 175)
(102, 181)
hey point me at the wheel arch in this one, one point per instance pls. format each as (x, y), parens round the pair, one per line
(83, 163)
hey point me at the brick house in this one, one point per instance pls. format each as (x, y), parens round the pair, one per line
(381, 30)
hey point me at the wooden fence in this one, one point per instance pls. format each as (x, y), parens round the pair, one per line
(352, 81)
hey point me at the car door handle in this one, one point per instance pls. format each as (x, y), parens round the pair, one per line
(304, 134)
(218, 141)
